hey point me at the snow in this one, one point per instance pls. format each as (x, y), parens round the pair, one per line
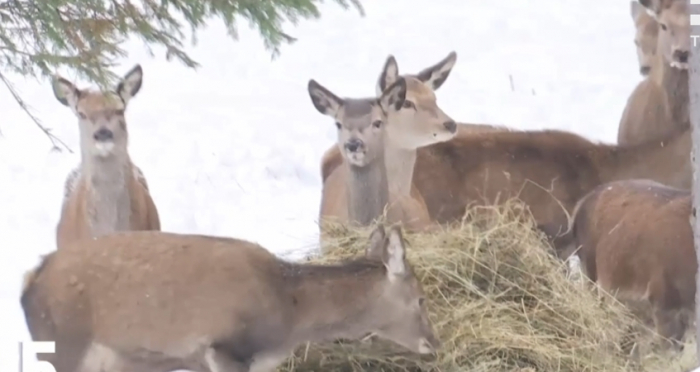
(234, 148)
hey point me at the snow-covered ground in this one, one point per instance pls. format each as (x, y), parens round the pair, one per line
(234, 148)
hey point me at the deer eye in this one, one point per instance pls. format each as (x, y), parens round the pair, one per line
(377, 124)
(119, 112)
(82, 115)
(337, 125)
(408, 104)
(663, 26)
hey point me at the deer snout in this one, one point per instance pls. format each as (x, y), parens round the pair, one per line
(681, 55)
(450, 125)
(353, 145)
(103, 134)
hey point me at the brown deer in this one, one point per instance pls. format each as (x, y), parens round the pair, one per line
(394, 125)
(107, 192)
(549, 170)
(645, 37)
(660, 102)
(635, 240)
(155, 301)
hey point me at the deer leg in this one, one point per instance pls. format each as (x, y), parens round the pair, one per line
(668, 312)
(219, 361)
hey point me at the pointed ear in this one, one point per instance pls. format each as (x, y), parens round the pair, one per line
(635, 9)
(389, 75)
(395, 254)
(65, 91)
(394, 96)
(323, 99)
(436, 75)
(375, 249)
(130, 85)
(653, 7)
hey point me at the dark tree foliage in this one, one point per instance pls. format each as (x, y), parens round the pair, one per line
(37, 37)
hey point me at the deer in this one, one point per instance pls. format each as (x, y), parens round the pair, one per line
(633, 238)
(107, 192)
(660, 101)
(645, 37)
(377, 138)
(158, 301)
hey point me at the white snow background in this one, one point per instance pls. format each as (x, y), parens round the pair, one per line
(234, 148)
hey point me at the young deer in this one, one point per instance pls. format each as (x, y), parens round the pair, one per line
(645, 37)
(633, 238)
(660, 102)
(107, 192)
(416, 121)
(155, 301)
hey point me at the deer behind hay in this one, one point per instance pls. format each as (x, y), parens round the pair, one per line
(155, 301)
(378, 138)
(660, 102)
(634, 239)
(107, 192)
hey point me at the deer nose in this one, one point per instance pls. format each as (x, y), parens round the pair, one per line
(103, 134)
(353, 145)
(451, 126)
(644, 70)
(681, 55)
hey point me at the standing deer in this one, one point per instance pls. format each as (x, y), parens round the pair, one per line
(660, 102)
(107, 193)
(634, 239)
(155, 301)
(645, 37)
(411, 121)
(549, 170)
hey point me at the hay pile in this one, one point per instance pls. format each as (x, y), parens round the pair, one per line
(498, 300)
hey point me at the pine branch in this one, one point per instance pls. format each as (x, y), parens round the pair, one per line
(85, 37)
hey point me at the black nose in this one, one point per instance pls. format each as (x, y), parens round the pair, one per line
(353, 145)
(451, 126)
(103, 134)
(644, 70)
(681, 55)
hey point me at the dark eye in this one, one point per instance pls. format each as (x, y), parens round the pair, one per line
(82, 116)
(663, 26)
(408, 104)
(119, 112)
(337, 125)
(377, 124)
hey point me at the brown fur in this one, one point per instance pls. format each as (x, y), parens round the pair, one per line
(145, 301)
(634, 238)
(107, 192)
(549, 170)
(416, 123)
(659, 103)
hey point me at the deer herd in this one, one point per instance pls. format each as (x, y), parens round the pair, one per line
(119, 294)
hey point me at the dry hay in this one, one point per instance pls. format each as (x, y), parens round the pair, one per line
(499, 301)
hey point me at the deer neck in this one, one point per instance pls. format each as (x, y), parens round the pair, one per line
(367, 192)
(332, 302)
(107, 198)
(663, 160)
(399, 164)
(674, 83)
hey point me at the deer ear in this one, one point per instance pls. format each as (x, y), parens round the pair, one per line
(389, 75)
(436, 75)
(323, 99)
(635, 9)
(375, 249)
(652, 7)
(65, 91)
(394, 96)
(395, 254)
(130, 85)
